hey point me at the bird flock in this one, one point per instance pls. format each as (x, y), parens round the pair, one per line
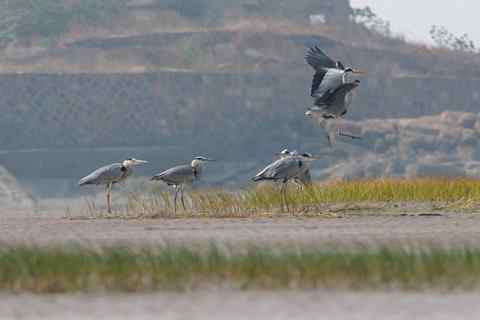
(331, 92)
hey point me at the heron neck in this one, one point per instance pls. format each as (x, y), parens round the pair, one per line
(196, 164)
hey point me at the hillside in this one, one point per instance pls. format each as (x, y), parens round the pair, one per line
(236, 88)
(245, 36)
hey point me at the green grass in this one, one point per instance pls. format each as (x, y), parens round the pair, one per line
(56, 270)
(457, 192)
(374, 196)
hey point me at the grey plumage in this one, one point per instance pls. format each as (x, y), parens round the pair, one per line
(285, 169)
(335, 105)
(304, 178)
(282, 169)
(113, 173)
(110, 175)
(328, 76)
(331, 89)
(181, 175)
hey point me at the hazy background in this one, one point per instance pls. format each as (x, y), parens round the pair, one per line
(413, 18)
(85, 83)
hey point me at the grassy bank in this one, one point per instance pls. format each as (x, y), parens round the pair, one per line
(440, 190)
(125, 270)
(450, 193)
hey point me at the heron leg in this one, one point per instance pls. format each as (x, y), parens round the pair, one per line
(299, 185)
(286, 196)
(175, 199)
(330, 144)
(341, 133)
(281, 196)
(283, 192)
(108, 190)
(329, 134)
(181, 197)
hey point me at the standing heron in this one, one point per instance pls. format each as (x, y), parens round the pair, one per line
(110, 175)
(180, 175)
(331, 88)
(304, 178)
(285, 169)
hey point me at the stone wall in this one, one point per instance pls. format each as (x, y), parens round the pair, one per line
(167, 117)
(245, 112)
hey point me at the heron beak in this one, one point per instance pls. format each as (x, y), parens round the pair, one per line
(137, 162)
(359, 72)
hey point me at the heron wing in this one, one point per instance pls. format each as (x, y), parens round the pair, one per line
(317, 80)
(335, 105)
(339, 95)
(104, 175)
(176, 175)
(305, 177)
(318, 60)
(265, 172)
(285, 168)
(323, 86)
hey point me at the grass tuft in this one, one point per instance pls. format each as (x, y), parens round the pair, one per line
(461, 194)
(55, 270)
(454, 192)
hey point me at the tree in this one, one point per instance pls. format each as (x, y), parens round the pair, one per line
(445, 39)
(367, 18)
(27, 19)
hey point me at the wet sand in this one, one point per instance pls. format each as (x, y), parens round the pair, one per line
(222, 304)
(445, 230)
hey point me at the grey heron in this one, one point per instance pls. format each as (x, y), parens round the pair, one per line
(180, 175)
(110, 175)
(331, 88)
(283, 170)
(304, 178)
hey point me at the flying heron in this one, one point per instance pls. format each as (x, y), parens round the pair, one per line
(285, 169)
(110, 175)
(331, 89)
(180, 175)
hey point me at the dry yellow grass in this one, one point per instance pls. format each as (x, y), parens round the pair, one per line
(458, 194)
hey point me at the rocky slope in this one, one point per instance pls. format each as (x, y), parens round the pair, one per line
(446, 144)
(11, 194)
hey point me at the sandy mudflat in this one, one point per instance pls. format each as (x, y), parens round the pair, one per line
(449, 229)
(389, 228)
(221, 304)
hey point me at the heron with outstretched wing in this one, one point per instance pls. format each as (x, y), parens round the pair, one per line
(331, 89)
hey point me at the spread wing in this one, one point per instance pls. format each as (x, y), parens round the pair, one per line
(328, 75)
(316, 81)
(336, 103)
(318, 60)
(338, 97)
(324, 85)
